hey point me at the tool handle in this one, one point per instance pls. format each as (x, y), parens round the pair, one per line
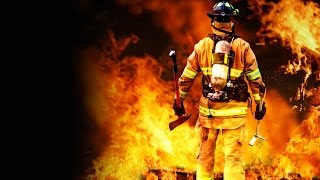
(260, 105)
(182, 118)
(262, 99)
(257, 127)
(177, 93)
(172, 54)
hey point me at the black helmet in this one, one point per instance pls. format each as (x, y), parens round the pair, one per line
(222, 11)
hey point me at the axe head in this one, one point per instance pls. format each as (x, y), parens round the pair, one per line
(172, 53)
(179, 121)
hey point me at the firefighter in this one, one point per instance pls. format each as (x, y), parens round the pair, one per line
(225, 60)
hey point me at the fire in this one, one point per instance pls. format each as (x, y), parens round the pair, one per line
(302, 154)
(277, 126)
(297, 25)
(131, 103)
(185, 22)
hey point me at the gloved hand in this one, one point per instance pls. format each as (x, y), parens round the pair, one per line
(178, 111)
(259, 114)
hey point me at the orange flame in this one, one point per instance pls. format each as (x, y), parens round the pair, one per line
(302, 153)
(297, 25)
(185, 22)
(131, 104)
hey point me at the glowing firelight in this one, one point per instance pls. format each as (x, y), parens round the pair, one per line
(130, 102)
(297, 25)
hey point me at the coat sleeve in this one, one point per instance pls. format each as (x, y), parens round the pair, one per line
(189, 74)
(253, 74)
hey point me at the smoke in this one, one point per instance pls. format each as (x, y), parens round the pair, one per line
(185, 22)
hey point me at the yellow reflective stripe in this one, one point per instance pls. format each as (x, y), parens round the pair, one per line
(225, 60)
(188, 73)
(233, 72)
(207, 71)
(183, 94)
(256, 97)
(223, 112)
(212, 58)
(253, 74)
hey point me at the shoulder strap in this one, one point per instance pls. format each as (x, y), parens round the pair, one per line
(230, 37)
(216, 38)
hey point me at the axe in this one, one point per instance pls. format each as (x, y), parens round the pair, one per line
(257, 135)
(181, 118)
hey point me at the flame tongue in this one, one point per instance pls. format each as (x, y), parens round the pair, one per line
(302, 155)
(297, 25)
(131, 104)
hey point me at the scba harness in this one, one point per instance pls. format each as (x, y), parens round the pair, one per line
(225, 89)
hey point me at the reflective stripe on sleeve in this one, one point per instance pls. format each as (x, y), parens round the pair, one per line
(253, 74)
(256, 97)
(223, 112)
(188, 73)
(183, 94)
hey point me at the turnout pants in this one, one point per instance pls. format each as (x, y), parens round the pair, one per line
(233, 140)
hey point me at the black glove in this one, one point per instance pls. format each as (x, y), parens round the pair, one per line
(259, 114)
(178, 111)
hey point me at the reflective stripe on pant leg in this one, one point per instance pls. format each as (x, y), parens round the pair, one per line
(233, 151)
(205, 156)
